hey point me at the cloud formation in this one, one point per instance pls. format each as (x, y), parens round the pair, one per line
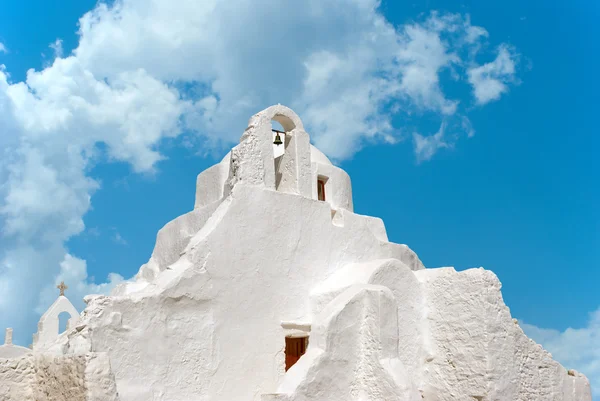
(145, 71)
(577, 349)
(426, 147)
(491, 80)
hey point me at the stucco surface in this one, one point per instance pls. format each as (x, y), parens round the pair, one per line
(198, 324)
(260, 258)
(9, 350)
(475, 349)
(57, 378)
(12, 351)
(353, 354)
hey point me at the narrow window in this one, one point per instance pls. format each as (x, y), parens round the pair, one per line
(295, 347)
(321, 188)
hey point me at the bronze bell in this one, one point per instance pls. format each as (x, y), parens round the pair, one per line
(277, 140)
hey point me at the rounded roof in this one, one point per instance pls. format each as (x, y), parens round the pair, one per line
(316, 156)
(12, 351)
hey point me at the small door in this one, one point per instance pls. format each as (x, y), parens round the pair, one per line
(295, 347)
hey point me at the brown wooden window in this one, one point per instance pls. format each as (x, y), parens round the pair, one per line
(295, 347)
(321, 189)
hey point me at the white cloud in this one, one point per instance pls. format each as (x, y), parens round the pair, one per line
(146, 71)
(352, 63)
(577, 349)
(53, 122)
(426, 146)
(3, 48)
(57, 47)
(422, 54)
(491, 80)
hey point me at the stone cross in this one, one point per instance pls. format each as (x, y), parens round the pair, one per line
(62, 287)
(8, 337)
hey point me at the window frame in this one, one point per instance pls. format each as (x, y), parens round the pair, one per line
(321, 185)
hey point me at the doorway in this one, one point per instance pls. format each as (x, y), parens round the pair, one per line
(295, 347)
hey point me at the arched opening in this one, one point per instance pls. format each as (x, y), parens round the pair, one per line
(63, 319)
(279, 134)
(281, 125)
(277, 128)
(289, 173)
(286, 122)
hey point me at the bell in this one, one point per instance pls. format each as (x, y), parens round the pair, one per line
(277, 140)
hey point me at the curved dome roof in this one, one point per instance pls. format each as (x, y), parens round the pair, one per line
(316, 156)
(10, 351)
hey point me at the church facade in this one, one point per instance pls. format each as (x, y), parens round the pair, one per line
(273, 289)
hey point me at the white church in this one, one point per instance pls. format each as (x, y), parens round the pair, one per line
(334, 312)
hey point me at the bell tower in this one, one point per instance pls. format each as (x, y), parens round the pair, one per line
(253, 161)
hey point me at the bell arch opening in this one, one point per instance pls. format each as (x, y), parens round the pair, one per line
(286, 122)
(281, 126)
(278, 148)
(282, 146)
(63, 322)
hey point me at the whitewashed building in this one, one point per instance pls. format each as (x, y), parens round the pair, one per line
(273, 289)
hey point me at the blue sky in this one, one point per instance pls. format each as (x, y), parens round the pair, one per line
(474, 138)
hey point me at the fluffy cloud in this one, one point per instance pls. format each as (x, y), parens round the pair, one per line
(339, 70)
(145, 71)
(53, 123)
(3, 48)
(577, 349)
(491, 80)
